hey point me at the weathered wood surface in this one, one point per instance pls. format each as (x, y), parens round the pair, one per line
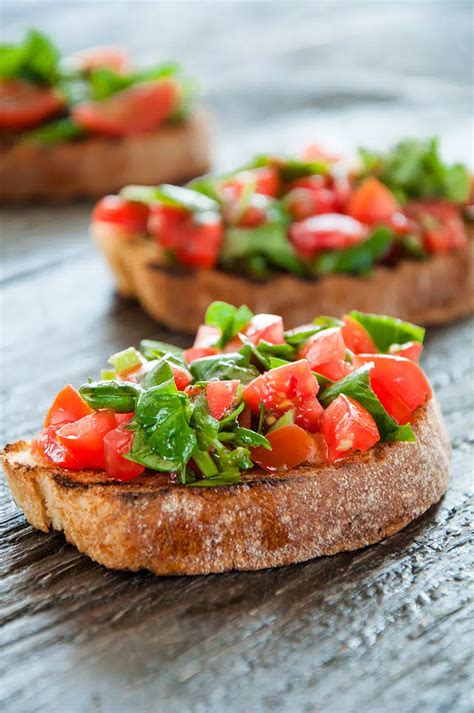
(385, 629)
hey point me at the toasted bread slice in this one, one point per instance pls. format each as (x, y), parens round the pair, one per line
(434, 291)
(94, 166)
(265, 521)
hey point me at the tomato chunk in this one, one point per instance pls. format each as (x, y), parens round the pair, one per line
(291, 446)
(330, 231)
(68, 406)
(140, 108)
(220, 395)
(372, 203)
(441, 225)
(326, 353)
(46, 444)
(116, 443)
(24, 105)
(347, 428)
(396, 381)
(112, 58)
(266, 327)
(194, 353)
(357, 338)
(84, 439)
(182, 377)
(291, 385)
(129, 217)
(264, 180)
(310, 196)
(409, 350)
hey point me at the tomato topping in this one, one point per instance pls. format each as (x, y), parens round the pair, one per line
(194, 353)
(46, 444)
(68, 406)
(291, 446)
(264, 180)
(220, 395)
(409, 350)
(310, 196)
(112, 58)
(123, 418)
(347, 428)
(395, 379)
(326, 353)
(24, 104)
(84, 439)
(357, 338)
(194, 238)
(316, 152)
(372, 203)
(182, 377)
(330, 231)
(206, 336)
(140, 108)
(267, 327)
(441, 224)
(116, 443)
(291, 385)
(131, 218)
(250, 215)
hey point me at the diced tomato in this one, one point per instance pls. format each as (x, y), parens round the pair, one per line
(68, 406)
(194, 353)
(317, 152)
(206, 336)
(347, 428)
(84, 439)
(291, 385)
(326, 353)
(291, 446)
(372, 203)
(142, 107)
(441, 225)
(46, 444)
(245, 418)
(264, 180)
(182, 377)
(395, 379)
(357, 338)
(342, 191)
(131, 218)
(320, 455)
(116, 443)
(220, 395)
(401, 225)
(193, 238)
(409, 350)
(330, 231)
(266, 327)
(123, 418)
(250, 215)
(112, 58)
(310, 196)
(24, 104)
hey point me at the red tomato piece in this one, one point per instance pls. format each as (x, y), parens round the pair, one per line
(310, 196)
(326, 353)
(291, 446)
(357, 338)
(142, 107)
(182, 377)
(194, 239)
(347, 428)
(194, 353)
(266, 327)
(372, 203)
(253, 214)
(441, 225)
(330, 231)
(24, 105)
(206, 336)
(409, 350)
(264, 180)
(84, 439)
(291, 385)
(46, 444)
(403, 379)
(112, 58)
(220, 395)
(130, 217)
(116, 443)
(68, 406)
(317, 152)
(123, 418)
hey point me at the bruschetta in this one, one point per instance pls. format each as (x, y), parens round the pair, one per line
(291, 235)
(258, 446)
(74, 127)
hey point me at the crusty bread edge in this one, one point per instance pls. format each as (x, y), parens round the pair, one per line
(266, 521)
(434, 291)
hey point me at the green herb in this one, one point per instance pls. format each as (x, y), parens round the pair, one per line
(247, 437)
(358, 259)
(167, 194)
(104, 83)
(54, 131)
(223, 367)
(231, 419)
(118, 396)
(289, 167)
(229, 319)
(205, 425)
(287, 419)
(357, 386)
(125, 360)
(36, 59)
(386, 331)
(152, 349)
(158, 374)
(205, 463)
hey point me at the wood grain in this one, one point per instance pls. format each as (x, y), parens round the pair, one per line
(387, 629)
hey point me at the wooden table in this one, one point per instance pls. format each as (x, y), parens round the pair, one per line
(383, 629)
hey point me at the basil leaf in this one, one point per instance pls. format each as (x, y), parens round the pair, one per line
(386, 331)
(178, 196)
(104, 83)
(157, 375)
(204, 462)
(289, 167)
(205, 425)
(358, 259)
(275, 362)
(220, 479)
(119, 396)
(35, 59)
(299, 336)
(229, 319)
(152, 349)
(232, 417)
(55, 131)
(223, 367)
(247, 437)
(357, 386)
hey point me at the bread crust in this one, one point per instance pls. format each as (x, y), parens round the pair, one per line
(268, 520)
(95, 166)
(434, 291)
